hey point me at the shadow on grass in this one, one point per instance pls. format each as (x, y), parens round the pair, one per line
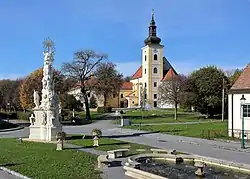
(11, 164)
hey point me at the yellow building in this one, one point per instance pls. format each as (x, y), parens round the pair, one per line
(145, 81)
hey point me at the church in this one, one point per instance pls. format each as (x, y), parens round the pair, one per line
(153, 70)
(143, 86)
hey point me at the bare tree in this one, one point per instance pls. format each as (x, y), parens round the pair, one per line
(81, 69)
(108, 80)
(171, 91)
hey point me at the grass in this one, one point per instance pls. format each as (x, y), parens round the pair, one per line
(106, 144)
(40, 160)
(201, 130)
(161, 116)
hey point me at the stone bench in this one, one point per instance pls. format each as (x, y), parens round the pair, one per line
(157, 151)
(103, 161)
(117, 153)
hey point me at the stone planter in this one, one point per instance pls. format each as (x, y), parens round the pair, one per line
(59, 144)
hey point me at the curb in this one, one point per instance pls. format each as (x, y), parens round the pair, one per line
(12, 129)
(14, 173)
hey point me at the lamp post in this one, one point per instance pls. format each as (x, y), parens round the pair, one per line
(242, 102)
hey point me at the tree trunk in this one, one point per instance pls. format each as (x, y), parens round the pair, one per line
(105, 100)
(86, 101)
(175, 111)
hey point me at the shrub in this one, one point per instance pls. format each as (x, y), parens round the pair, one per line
(23, 115)
(92, 102)
(66, 115)
(61, 135)
(104, 109)
(8, 115)
(96, 132)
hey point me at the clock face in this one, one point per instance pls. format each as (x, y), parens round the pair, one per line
(155, 51)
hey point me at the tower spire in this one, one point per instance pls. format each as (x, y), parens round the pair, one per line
(152, 37)
(153, 18)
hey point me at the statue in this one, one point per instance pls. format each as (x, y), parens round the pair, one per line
(36, 98)
(32, 119)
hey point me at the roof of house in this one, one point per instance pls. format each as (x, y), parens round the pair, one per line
(166, 70)
(127, 86)
(169, 75)
(243, 82)
(138, 73)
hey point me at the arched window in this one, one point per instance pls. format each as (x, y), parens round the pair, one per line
(145, 85)
(145, 71)
(155, 70)
(145, 57)
(155, 56)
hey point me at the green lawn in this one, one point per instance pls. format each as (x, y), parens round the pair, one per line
(40, 160)
(109, 144)
(161, 116)
(202, 130)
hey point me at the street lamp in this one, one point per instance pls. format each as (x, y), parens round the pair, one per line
(242, 102)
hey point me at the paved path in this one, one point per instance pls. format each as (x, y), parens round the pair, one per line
(6, 175)
(209, 148)
(115, 172)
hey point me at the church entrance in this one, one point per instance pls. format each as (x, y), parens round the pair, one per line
(124, 104)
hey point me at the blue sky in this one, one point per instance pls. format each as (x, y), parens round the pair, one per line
(195, 32)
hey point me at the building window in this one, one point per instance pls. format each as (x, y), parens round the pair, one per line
(155, 84)
(155, 56)
(155, 96)
(145, 71)
(155, 104)
(246, 110)
(145, 96)
(133, 94)
(145, 85)
(155, 70)
(145, 57)
(133, 102)
(121, 95)
(113, 95)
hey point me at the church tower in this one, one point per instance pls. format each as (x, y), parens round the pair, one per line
(152, 64)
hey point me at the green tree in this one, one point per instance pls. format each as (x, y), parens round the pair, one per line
(207, 83)
(92, 102)
(108, 80)
(70, 102)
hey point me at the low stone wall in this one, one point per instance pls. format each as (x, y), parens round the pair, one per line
(139, 174)
(132, 167)
(223, 163)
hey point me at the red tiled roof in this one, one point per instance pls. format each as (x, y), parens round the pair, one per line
(127, 86)
(169, 74)
(138, 73)
(243, 82)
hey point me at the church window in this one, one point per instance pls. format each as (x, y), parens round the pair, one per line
(155, 70)
(155, 56)
(155, 84)
(145, 85)
(113, 95)
(121, 95)
(155, 96)
(145, 57)
(133, 102)
(145, 71)
(155, 104)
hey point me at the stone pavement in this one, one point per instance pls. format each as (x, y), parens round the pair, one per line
(114, 172)
(6, 175)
